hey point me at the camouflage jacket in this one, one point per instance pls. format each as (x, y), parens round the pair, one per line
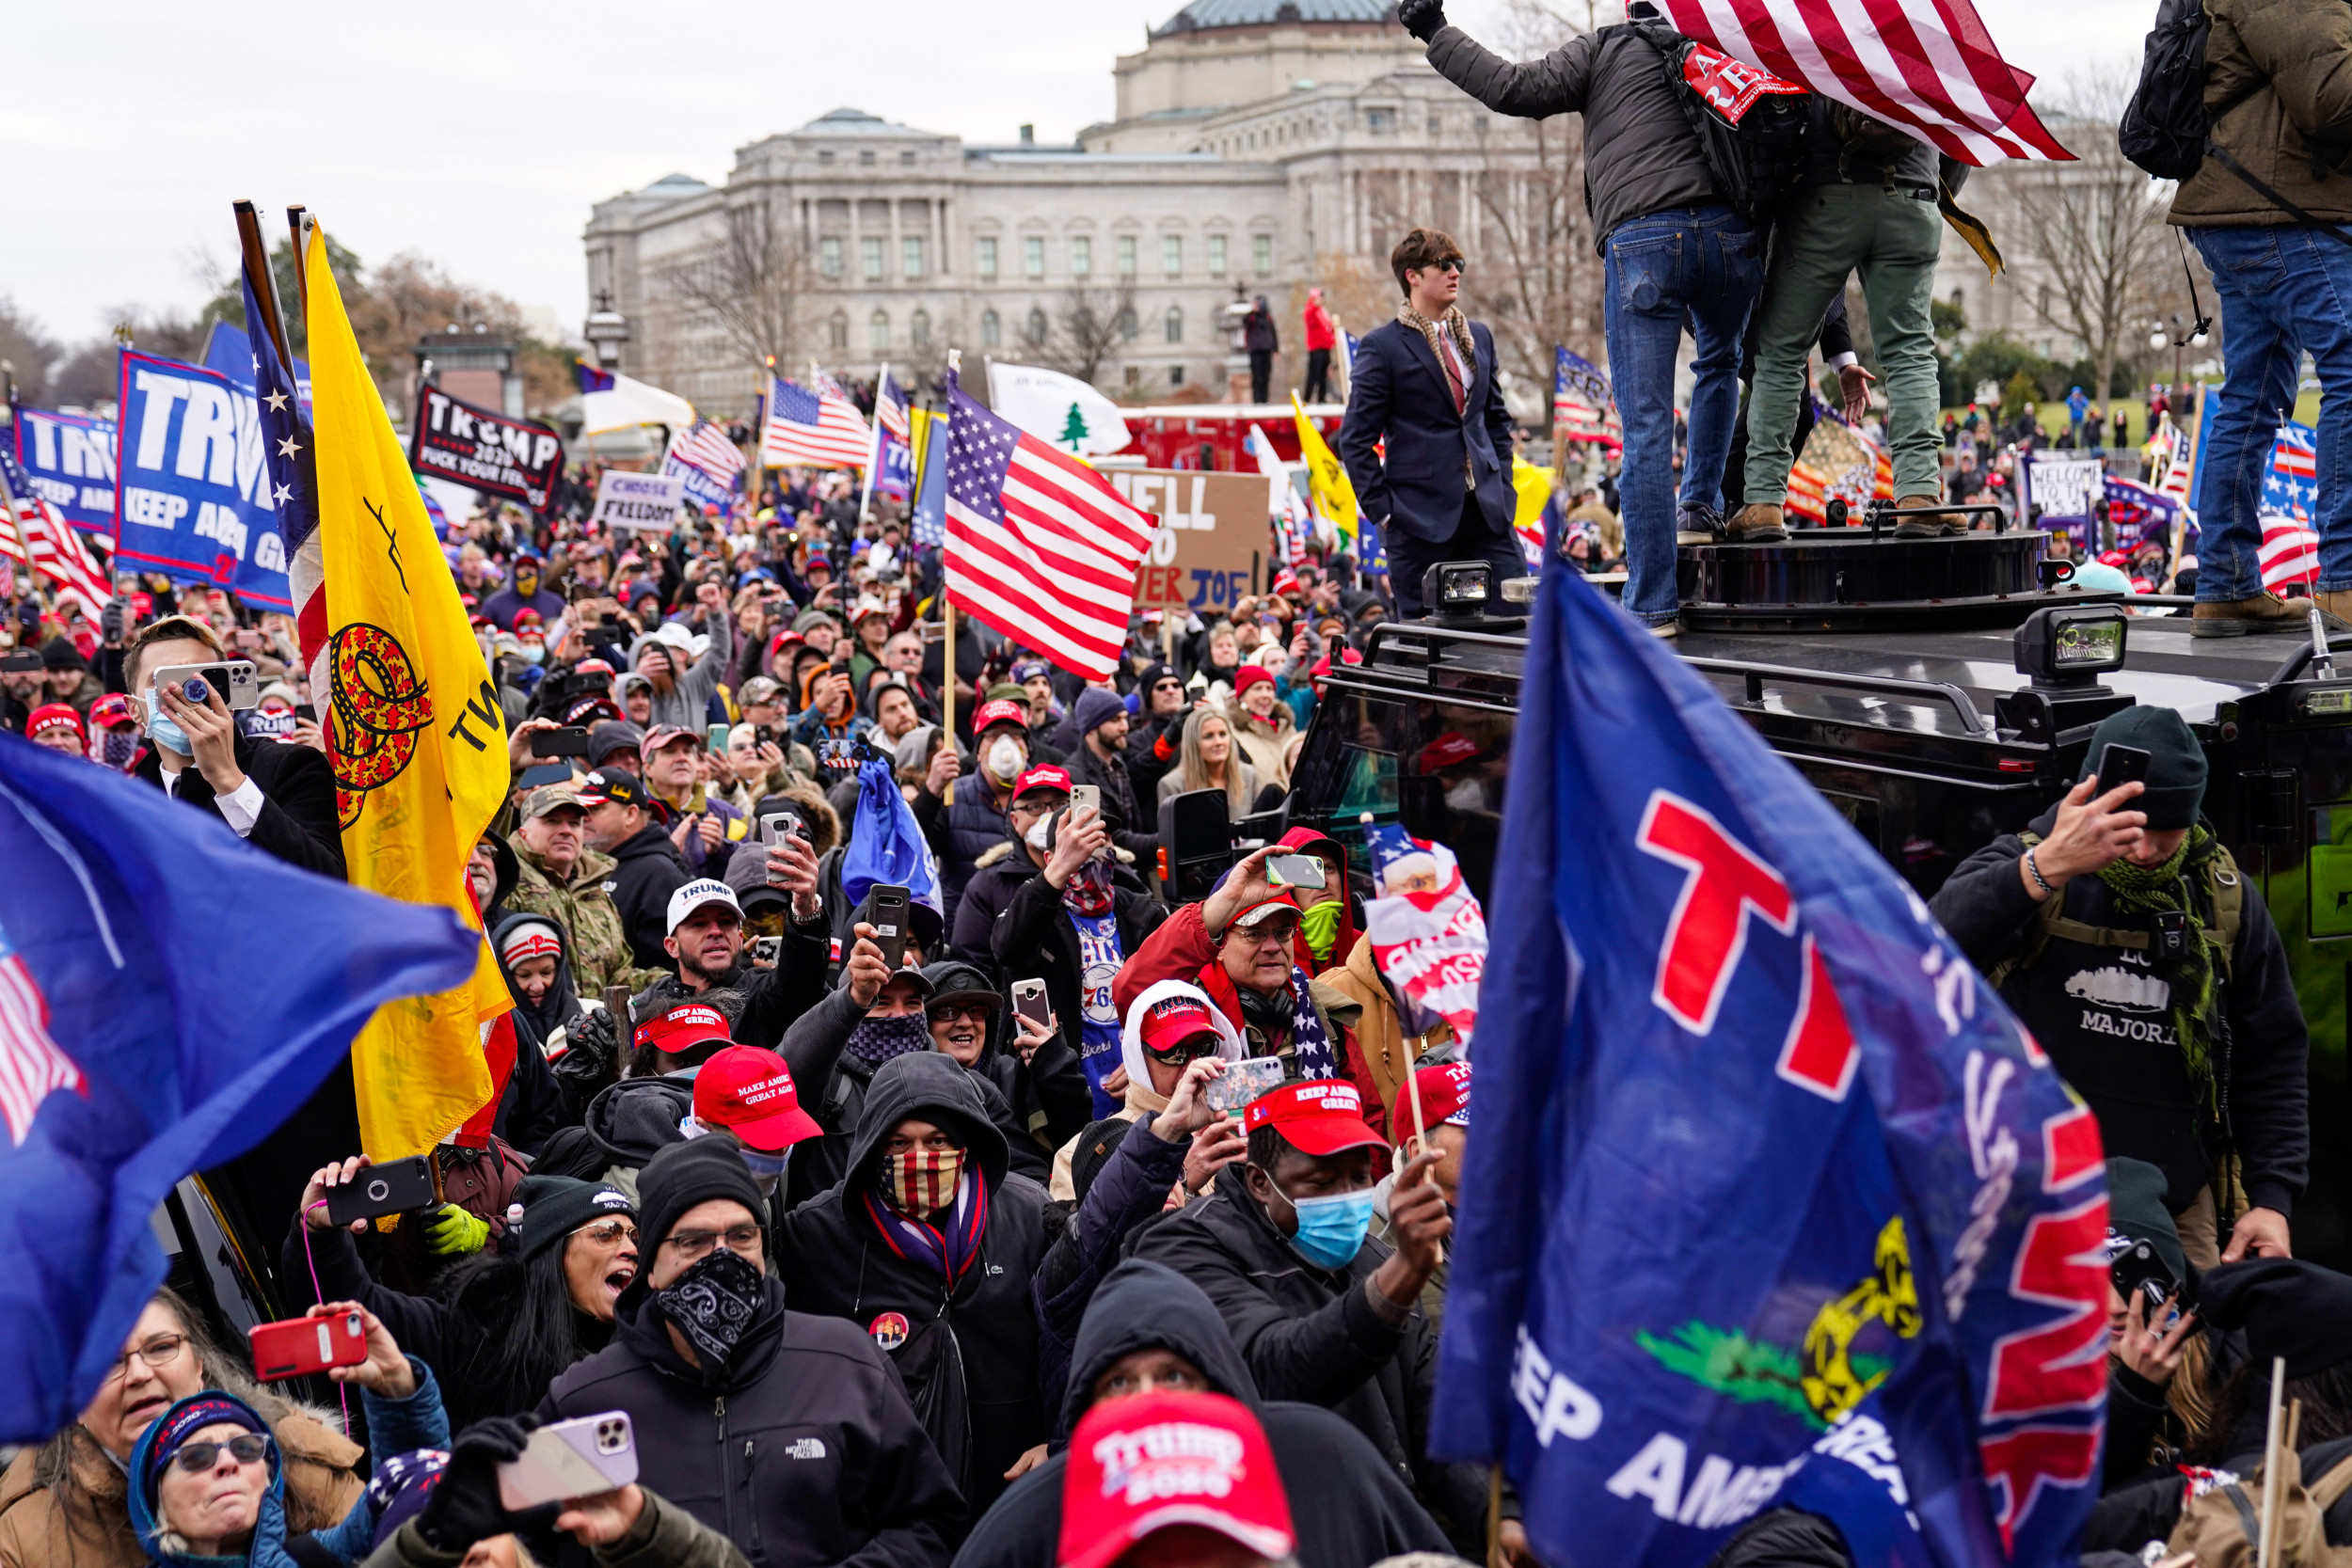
(600, 954)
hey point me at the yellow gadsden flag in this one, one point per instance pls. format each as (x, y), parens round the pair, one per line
(418, 741)
(1327, 478)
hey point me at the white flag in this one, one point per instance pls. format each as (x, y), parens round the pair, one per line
(1060, 410)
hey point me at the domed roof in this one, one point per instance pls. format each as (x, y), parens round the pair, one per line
(1204, 14)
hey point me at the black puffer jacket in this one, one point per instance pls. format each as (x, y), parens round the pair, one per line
(1348, 1508)
(1311, 1334)
(803, 1451)
(969, 1355)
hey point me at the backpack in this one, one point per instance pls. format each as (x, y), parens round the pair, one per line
(1752, 126)
(2164, 125)
(2222, 1523)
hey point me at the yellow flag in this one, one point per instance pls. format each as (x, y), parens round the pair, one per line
(418, 741)
(1327, 478)
(1533, 485)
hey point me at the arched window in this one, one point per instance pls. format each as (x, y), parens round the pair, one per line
(919, 330)
(1126, 325)
(1037, 327)
(1174, 322)
(837, 332)
(878, 331)
(991, 330)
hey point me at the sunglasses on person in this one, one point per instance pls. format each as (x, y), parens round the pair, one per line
(949, 1012)
(1184, 1053)
(608, 1232)
(693, 1245)
(196, 1458)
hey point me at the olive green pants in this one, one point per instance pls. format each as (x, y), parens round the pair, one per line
(1825, 233)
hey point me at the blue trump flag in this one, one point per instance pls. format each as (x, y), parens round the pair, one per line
(886, 844)
(70, 459)
(1770, 1196)
(195, 500)
(168, 995)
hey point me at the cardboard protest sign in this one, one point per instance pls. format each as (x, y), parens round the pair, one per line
(454, 440)
(648, 502)
(1213, 539)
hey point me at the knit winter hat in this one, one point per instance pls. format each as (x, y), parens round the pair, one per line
(548, 1209)
(2287, 1307)
(684, 1174)
(2176, 762)
(2135, 1210)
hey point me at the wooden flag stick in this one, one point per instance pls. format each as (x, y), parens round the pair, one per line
(257, 267)
(298, 221)
(2267, 1552)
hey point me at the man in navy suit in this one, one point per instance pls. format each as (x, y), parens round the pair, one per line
(1426, 382)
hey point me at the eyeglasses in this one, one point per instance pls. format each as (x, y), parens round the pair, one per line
(608, 1232)
(196, 1458)
(1270, 933)
(162, 1350)
(693, 1245)
(948, 1012)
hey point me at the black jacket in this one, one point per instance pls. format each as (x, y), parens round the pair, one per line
(298, 822)
(2105, 1017)
(1047, 1095)
(985, 1333)
(1397, 390)
(1349, 1510)
(1312, 1334)
(804, 1451)
(1132, 828)
(1033, 939)
(626, 1126)
(1129, 1190)
(646, 870)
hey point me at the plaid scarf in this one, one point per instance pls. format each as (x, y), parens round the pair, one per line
(952, 1252)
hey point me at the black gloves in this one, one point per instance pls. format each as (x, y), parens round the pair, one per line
(1422, 17)
(465, 1507)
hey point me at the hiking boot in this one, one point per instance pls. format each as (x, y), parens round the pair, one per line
(2336, 605)
(2236, 617)
(1758, 523)
(1927, 525)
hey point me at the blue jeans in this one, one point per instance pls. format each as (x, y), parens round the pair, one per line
(1705, 263)
(2283, 288)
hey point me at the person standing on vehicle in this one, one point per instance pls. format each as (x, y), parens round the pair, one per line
(1672, 247)
(1259, 337)
(1424, 383)
(2144, 960)
(1322, 335)
(2277, 82)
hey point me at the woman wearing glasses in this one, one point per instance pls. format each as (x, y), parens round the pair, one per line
(65, 1503)
(506, 1321)
(207, 1481)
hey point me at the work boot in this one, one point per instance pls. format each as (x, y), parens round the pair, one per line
(2236, 617)
(2336, 604)
(1929, 525)
(1758, 523)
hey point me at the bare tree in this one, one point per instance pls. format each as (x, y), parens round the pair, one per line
(1539, 280)
(27, 350)
(1088, 327)
(754, 283)
(2093, 230)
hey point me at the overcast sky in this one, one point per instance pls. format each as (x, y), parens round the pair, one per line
(479, 134)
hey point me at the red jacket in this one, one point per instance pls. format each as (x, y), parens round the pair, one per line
(1321, 331)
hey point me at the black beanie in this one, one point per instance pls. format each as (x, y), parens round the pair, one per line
(682, 1175)
(59, 653)
(2176, 762)
(2136, 1209)
(2287, 1307)
(552, 1207)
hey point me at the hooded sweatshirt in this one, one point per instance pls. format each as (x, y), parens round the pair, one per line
(1142, 1099)
(1348, 1508)
(627, 1125)
(969, 1352)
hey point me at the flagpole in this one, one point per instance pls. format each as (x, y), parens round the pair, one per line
(759, 431)
(948, 606)
(298, 223)
(873, 453)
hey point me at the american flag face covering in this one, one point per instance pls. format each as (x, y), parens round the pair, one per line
(922, 1182)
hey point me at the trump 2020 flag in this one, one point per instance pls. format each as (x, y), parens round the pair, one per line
(168, 995)
(1759, 1157)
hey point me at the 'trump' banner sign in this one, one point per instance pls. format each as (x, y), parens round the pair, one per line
(195, 499)
(456, 441)
(70, 459)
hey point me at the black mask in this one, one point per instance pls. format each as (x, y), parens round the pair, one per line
(712, 1304)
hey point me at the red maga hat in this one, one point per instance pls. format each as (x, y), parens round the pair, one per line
(1318, 1116)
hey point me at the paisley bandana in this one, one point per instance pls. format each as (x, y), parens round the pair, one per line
(712, 1304)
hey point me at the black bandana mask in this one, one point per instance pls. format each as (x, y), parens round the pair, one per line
(712, 1304)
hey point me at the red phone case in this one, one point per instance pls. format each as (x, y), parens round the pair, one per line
(300, 1346)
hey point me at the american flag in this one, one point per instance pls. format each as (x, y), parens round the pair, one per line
(1040, 546)
(1926, 66)
(706, 460)
(287, 450)
(890, 407)
(2290, 550)
(58, 552)
(1581, 408)
(813, 429)
(32, 1068)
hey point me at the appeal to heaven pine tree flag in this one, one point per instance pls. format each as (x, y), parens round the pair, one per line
(417, 739)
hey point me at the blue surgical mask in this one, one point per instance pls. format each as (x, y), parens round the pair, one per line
(163, 731)
(1332, 1229)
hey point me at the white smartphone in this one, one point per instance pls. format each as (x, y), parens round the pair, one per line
(1086, 798)
(578, 1458)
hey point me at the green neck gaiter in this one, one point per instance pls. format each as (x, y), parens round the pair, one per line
(1320, 922)
(2150, 890)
